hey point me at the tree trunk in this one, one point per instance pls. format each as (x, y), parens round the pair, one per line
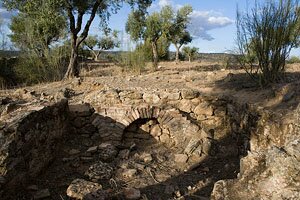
(73, 70)
(95, 55)
(155, 55)
(190, 58)
(177, 54)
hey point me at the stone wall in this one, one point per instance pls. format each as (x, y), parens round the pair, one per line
(271, 168)
(194, 125)
(191, 125)
(29, 141)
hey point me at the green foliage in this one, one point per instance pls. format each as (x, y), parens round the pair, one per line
(162, 49)
(7, 74)
(75, 10)
(133, 61)
(108, 41)
(293, 59)
(190, 52)
(176, 26)
(163, 45)
(272, 30)
(135, 25)
(32, 69)
(37, 27)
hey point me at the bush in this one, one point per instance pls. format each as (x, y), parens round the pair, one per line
(294, 59)
(133, 61)
(267, 33)
(7, 73)
(31, 69)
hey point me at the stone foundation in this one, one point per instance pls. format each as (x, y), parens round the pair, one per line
(130, 132)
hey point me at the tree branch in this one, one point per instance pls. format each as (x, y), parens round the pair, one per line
(71, 16)
(79, 22)
(85, 32)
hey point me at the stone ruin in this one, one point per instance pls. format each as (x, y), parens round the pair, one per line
(144, 145)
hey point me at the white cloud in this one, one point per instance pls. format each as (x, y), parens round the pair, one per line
(163, 3)
(201, 21)
(204, 21)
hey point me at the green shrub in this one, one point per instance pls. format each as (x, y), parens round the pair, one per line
(293, 59)
(133, 61)
(7, 73)
(31, 69)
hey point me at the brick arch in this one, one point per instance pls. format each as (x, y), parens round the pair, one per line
(188, 137)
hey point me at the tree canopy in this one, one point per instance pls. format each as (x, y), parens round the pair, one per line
(190, 52)
(106, 42)
(176, 30)
(35, 30)
(75, 10)
(168, 23)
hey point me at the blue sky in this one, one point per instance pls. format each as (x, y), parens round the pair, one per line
(212, 22)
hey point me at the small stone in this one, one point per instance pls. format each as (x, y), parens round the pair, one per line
(139, 166)
(80, 188)
(162, 177)
(42, 194)
(205, 169)
(129, 173)
(99, 171)
(181, 158)
(164, 138)
(32, 187)
(82, 110)
(86, 158)
(169, 189)
(107, 151)
(144, 128)
(189, 94)
(92, 149)
(124, 154)
(146, 157)
(151, 98)
(177, 193)
(156, 131)
(192, 146)
(132, 193)
(186, 105)
(204, 109)
(74, 152)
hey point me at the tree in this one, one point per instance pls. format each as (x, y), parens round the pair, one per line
(109, 41)
(269, 31)
(176, 31)
(75, 10)
(190, 52)
(37, 31)
(152, 33)
(150, 28)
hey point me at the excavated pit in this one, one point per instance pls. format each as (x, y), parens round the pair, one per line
(160, 152)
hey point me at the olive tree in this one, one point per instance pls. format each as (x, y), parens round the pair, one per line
(75, 10)
(108, 41)
(149, 28)
(267, 32)
(176, 31)
(36, 35)
(190, 52)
